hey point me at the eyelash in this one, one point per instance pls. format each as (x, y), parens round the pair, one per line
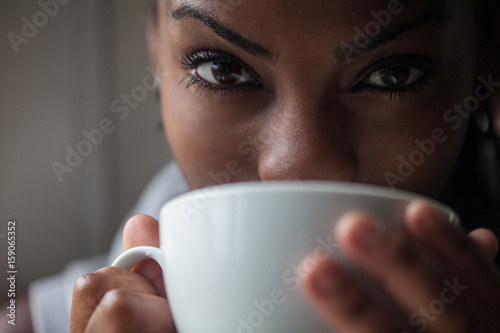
(429, 69)
(194, 58)
(191, 60)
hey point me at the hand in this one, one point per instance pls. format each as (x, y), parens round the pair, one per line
(443, 282)
(117, 300)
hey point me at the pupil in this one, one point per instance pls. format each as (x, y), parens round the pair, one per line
(226, 73)
(396, 76)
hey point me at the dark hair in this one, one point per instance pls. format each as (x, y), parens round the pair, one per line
(474, 188)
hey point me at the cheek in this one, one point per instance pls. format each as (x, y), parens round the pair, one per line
(419, 153)
(210, 146)
(204, 137)
(422, 163)
(415, 149)
(416, 154)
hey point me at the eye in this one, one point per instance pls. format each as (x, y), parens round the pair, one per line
(398, 75)
(222, 73)
(212, 71)
(394, 77)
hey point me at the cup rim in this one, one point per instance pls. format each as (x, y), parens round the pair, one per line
(311, 186)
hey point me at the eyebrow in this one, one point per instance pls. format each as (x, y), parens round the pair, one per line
(256, 49)
(231, 36)
(387, 36)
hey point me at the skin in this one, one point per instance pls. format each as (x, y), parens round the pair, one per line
(306, 121)
(315, 134)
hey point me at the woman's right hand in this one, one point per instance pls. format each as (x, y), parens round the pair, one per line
(114, 299)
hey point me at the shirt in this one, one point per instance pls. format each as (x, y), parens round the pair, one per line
(50, 298)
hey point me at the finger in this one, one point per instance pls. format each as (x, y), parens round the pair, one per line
(152, 271)
(343, 304)
(453, 248)
(122, 311)
(486, 241)
(392, 260)
(90, 289)
(142, 230)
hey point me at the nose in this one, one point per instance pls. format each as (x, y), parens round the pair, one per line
(306, 144)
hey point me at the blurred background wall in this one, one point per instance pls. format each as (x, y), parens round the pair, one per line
(61, 69)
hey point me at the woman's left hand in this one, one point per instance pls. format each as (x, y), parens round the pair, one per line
(441, 279)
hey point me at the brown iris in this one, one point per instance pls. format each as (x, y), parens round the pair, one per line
(226, 73)
(395, 76)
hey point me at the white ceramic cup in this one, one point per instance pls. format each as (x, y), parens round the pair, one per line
(231, 253)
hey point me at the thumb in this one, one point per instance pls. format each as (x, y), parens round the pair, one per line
(143, 230)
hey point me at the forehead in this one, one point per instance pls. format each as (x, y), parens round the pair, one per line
(318, 13)
(283, 26)
(311, 19)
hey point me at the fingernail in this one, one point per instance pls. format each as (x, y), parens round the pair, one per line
(328, 280)
(426, 216)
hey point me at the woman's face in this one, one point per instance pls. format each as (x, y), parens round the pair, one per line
(355, 91)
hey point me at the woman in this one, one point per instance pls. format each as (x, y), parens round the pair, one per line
(390, 93)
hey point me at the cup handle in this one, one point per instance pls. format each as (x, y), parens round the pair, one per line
(133, 256)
